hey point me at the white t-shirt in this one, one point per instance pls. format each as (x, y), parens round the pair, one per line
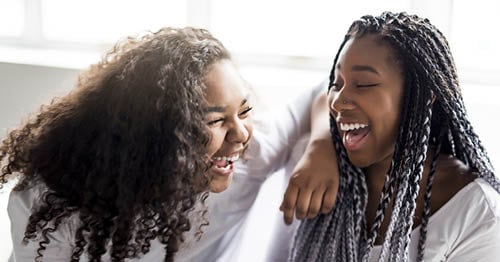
(227, 211)
(466, 228)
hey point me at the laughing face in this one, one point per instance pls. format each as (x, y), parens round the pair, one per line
(228, 118)
(365, 100)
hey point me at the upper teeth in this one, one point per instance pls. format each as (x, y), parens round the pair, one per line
(226, 158)
(348, 127)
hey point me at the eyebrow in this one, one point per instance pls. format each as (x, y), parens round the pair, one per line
(361, 68)
(216, 109)
(221, 109)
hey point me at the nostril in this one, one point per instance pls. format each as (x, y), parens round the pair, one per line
(239, 134)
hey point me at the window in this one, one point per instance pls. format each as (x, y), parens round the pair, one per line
(311, 28)
(98, 22)
(474, 38)
(284, 32)
(11, 18)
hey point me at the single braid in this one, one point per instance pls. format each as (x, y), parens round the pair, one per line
(427, 198)
(387, 191)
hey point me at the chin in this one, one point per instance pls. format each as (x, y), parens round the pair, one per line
(359, 162)
(218, 185)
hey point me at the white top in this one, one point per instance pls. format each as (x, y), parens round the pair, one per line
(269, 151)
(282, 235)
(466, 228)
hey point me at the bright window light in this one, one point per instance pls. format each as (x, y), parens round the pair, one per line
(287, 27)
(11, 18)
(97, 22)
(474, 35)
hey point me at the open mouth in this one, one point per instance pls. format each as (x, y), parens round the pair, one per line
(223, 165)
(354, 134)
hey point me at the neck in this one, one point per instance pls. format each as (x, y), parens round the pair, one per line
(375, 174)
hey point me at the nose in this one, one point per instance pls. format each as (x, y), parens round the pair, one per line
(239, 132)
(339, 101)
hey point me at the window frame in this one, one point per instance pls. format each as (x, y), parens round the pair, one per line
(199, 15)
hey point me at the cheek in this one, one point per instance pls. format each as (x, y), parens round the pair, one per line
(249, 127)
(216, 140)
(391, 122)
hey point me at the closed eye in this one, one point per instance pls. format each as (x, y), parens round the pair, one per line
(246, 111)
(367, 85)
(215, 121)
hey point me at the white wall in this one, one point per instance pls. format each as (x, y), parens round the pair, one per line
(23, 88)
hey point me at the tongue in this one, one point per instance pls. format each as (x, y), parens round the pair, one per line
(353, 137)
(220, 163)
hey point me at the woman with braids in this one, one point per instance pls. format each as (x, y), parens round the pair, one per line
(416, 183)
(112, 170)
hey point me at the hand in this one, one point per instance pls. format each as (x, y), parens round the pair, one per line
(314, 183)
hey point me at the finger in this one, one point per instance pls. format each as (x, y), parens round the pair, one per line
(329, 199)
(303, 201)
(288, 204)
(315, 204)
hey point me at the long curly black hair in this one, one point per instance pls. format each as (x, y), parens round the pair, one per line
(429, 73)
(124, 151)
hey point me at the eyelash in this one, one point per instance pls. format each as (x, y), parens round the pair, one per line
(213, 122)
(336, 86)
(244, 112)
(368, 85)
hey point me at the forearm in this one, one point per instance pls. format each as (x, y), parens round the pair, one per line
(314, 183)
(320, 141)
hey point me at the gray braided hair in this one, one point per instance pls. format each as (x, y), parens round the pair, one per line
(429, 72)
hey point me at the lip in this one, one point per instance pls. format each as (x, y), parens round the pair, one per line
(221, 172)
(233, 154)
(347, 120)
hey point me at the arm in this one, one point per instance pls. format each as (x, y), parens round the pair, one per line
(314, 183)
(276, 133)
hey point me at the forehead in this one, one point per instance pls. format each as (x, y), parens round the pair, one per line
(224, 85)
(367, 50)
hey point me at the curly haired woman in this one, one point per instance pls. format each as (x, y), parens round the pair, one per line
(112, 170)
(416, 184)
